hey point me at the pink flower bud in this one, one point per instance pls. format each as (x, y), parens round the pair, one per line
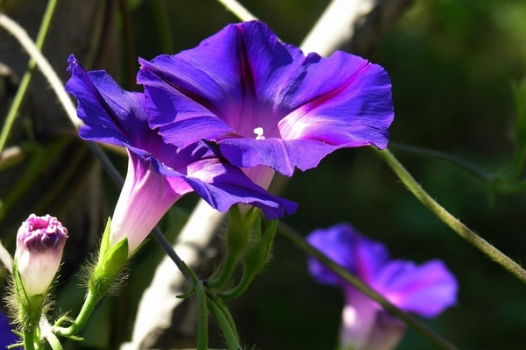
(39, 245)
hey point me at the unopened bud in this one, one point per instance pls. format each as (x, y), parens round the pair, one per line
(39, 245)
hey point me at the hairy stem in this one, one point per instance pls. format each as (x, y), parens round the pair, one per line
(83, 316)
(29, 339)
(224, 325)
(202, 316)
(461, 229)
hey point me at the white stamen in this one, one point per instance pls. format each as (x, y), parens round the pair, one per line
(259, 132)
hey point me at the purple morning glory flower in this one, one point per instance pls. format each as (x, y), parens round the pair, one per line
(158, 173)
(7, 337)
(264, 102)
(425, 289)
(39, 245)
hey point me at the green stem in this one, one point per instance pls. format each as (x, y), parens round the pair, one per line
(256, 257)
(300, 242)
(236, 241)
(87, 308)
(26, 79)
(202, 316)
(461, 229)
(228, 269)
(239, 289)
(224, 325)
(29, 339)
(54, 342)
(222, 306)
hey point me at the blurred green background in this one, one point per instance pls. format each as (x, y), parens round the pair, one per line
(451, 65)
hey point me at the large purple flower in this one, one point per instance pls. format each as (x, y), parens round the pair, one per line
(158, 173)
(426, 290)
(266, 103)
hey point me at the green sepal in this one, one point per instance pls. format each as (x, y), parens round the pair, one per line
(238, 228)
(105, 242)
(256, 256)
(237, 239)
(29, 309)
(258, 252)
(109, 264)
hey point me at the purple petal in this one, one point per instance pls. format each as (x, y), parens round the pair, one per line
(111, 114)
(243, 78)
(223, 185)
(426, 289)
(340, 244)
(335, 243)
(280, 155)
(370, 258)
(352, 106)
(227, 78)
(346, 247)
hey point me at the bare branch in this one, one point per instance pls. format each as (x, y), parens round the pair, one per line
(356, 26)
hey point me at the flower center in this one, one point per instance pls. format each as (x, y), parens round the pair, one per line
(259, 132)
